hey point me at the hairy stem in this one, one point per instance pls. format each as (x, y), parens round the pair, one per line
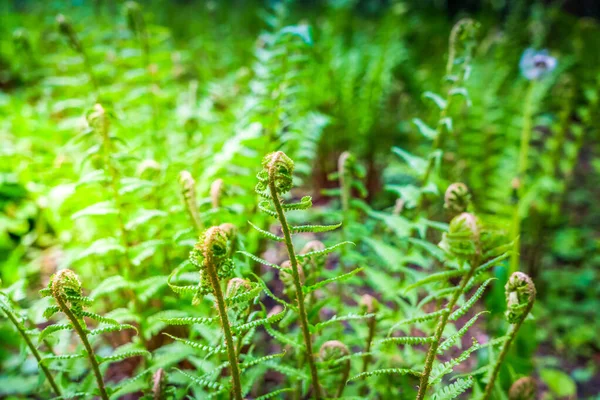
(231, 349)
(298, 286)
(367, 357)
(34, 351)
(439, 330)
(512, 334)
(522, 170)
(90, 352)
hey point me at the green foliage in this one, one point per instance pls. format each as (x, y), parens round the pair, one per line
(422, 167)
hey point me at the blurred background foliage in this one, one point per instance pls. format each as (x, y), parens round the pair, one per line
(222, 86)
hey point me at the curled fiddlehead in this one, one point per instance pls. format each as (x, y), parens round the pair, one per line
(65, 288)
(211, 255)
(523, 389)
(335, 354)
(457, 198)
(274, 180)
(520, 296)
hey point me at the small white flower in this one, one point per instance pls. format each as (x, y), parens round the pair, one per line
(535, 65)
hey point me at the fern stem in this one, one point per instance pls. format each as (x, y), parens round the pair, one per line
(522, 170)
(298, 286)
(511, 336)
(34, 351)
(90, 352)
(231, 349)
(439, 330)
(367, 357)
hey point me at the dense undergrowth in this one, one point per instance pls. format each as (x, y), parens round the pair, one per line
(296, 200)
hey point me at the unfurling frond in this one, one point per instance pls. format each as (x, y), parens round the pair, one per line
(387, 371)
(457, 198)
(520, 296)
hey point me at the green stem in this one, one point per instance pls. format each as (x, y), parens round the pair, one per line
(522, 170)
(345, 376)
(298, 286)
(34, 351)
(367, 357)
(231, 350)
(439, 330)
(90, 352)
(512, 334)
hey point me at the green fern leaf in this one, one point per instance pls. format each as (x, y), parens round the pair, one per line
(251, 363)
(453, 390)
(314, 228)
(253, 324)
(275, 394)
(463, 310)
(196, 345)
(325, 251)
(437, 277)
(446, 344)
(304, 204)
(187, 320)
(266, 234)
(387, 371)
(411, 340)
(54, 328)
(318, 285)
(335, 319)
(201, 382)
(112, 328)
(123, 355)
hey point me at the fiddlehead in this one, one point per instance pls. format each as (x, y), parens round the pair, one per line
(523, 389)
(65, 288)
(520, 296)
(336, 355)
(211, 256)
(275, 180)
(457, 198)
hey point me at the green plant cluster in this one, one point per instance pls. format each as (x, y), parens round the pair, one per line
(261, 201)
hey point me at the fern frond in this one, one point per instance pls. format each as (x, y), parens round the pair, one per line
(283, 339)
(411, 340)
(242, 297)
(111, 328)
(274, 394)
(443, 369)
(200, 381)
(314, 228)
(123, 355)
(196, 345)
(63, 357)
(266, 234)
(304, 204)
(188, 320)
(387, 371)
(253, 324)
(318, 285)
(251, 363)
(453, 390)
(465, 307)
(50, 329)
(335, 318)
(446, 344)
(98, 318)
(420, 318)
(437, 277)
(322, 252)
(260, 260)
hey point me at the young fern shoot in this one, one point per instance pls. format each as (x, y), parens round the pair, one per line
(12, 315)
(520, 296)
(275, 180)
(211, 255)
(65, 288)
